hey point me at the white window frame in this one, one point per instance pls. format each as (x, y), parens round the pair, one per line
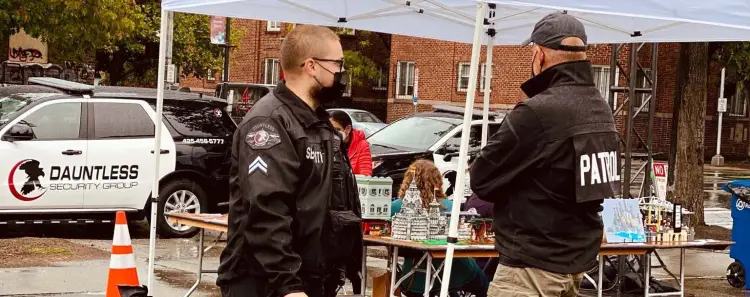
(481, 77)
(381, 83)
(617, 82)
(272, 26)
(413, 67)
(275, 68)
(461, 75)
(732, 100)
(210, 75)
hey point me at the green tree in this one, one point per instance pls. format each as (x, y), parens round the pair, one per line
(361, 67)
(736, 57)
(121, 35)
(133, 61)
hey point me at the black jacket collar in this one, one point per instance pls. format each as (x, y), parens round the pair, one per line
(568, 73)
(300, 109)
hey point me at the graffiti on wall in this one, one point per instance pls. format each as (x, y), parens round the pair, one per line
(19, 73)
(21, 54)
(24, 48)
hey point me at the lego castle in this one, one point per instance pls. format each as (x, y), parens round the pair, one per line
(414, 222)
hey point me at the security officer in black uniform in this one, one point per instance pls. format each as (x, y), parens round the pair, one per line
(548, 168)
(294, 212)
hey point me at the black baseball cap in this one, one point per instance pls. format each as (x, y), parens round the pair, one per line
(550, 31)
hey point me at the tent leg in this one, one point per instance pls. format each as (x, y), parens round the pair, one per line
(157, 144)
(487, 86)
(463, 151)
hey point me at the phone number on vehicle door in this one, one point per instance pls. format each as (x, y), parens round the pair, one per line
(203, 141)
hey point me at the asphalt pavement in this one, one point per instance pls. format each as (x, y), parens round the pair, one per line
(74, 260)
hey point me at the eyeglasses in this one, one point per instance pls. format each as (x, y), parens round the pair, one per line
(339, 62)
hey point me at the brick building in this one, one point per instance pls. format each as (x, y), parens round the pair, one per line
(256, 60)
(444, 71)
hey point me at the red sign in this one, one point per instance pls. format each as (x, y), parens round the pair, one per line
(659, 170)
(218, 30)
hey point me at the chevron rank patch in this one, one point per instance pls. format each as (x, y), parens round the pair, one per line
(258, 165)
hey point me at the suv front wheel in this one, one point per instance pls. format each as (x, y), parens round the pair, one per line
(179, 196)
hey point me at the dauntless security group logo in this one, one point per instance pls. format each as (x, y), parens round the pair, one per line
(25, 180)
(28, 182)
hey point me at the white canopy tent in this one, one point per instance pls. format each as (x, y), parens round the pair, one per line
(469, 21)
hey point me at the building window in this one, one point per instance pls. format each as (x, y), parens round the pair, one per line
(463, 76)
(380, 83)
(273, 26)
(271, 71)
(736, 101)
(404, 80)
(602, 82)
(210, 75)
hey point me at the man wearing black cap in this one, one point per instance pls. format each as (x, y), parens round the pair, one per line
(548, 168)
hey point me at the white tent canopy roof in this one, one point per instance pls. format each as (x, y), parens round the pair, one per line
(733, 13)
(452, 20)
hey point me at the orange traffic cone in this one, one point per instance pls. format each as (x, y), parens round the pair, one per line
(122, 269)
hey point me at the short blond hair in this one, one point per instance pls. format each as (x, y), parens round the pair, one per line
(302, 43)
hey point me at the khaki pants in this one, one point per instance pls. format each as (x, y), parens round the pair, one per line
(532, 282)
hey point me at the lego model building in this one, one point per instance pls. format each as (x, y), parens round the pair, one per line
(438, 223)
(375, 197)
(411, 223)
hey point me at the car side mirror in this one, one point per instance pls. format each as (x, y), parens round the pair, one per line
(19, 132)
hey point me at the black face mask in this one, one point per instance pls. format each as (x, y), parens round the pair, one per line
(335, 91)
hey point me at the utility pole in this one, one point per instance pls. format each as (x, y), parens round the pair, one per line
(718, 160)
(227, 47)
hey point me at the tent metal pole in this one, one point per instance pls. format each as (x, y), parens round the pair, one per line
(633, 75)
(157, 145)
(487, 85)
(651, 113)
(464, 149)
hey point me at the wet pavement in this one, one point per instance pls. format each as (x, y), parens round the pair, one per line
(74, 260)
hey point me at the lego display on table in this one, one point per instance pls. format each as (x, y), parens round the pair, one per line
(412, 222)
(648, 219)
(665, 221)
(375, 227)
(465, 224)
(429, 225)
(623, 221)
(481, 231)
(375, 196)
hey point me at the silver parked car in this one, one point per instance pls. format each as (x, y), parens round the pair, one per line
(363, 120)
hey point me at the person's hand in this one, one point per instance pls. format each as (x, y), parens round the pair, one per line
(297, 294)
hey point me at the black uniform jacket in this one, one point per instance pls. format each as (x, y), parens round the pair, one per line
(547, 170)
(287, 173)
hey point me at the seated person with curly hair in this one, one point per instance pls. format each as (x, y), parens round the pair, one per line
(466, 275)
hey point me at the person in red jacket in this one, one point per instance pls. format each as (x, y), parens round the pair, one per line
(355, 144)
